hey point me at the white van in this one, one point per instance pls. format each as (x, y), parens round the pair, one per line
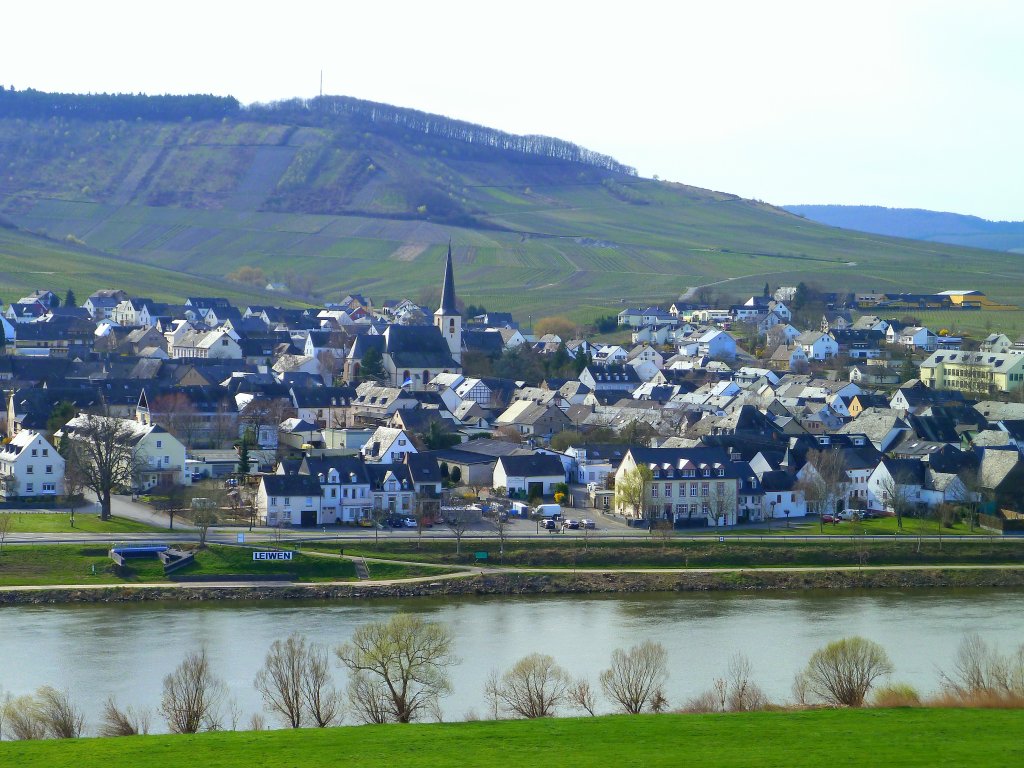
(548, 510)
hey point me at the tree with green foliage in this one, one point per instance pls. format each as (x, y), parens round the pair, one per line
(61, 414)
(437, 439)
(243, 455)
(69, 299)
(456, 475)
(631, 490)
(372, 367)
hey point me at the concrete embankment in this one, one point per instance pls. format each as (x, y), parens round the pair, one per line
(534, 583)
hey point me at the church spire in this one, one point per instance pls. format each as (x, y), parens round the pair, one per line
(448, 289)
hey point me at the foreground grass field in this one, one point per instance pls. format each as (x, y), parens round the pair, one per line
(911, 737)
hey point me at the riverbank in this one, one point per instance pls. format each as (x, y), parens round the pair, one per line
(906, 737)
(500, 583)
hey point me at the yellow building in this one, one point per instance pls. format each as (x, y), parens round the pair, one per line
(973, 300)
(978, 373)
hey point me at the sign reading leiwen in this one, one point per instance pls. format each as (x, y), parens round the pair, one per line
(272, 555)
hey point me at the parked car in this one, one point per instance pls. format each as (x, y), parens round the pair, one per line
(410, 522)
(548, 524)
(365, 522)
(828, 517)
(570, 523)
(587, 523)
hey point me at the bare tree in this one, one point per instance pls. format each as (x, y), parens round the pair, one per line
(636, 676)
(279, 681)
(175, 412)
(318, 692)
(743, 694)
(842, 673)
(534, 687)
(722, 502)
(581, 696)
(980, 671)
(60, 717)
(457, 520)
(123, 722)
(970, 494)
(398, 668)
(74, 482)
(105, 453)
(204, 516)
(897, 496)
(828, 479)
(21, 716)
(6, 526)
(192, 696)
(295, 682)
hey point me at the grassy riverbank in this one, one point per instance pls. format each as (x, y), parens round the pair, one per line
(568, 552)
(910, 737)
(60, 522)
(89, 564)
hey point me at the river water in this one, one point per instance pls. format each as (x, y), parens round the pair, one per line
(125, 650)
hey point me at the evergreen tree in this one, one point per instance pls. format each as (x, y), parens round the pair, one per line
(372, 368)
(69, 299)
(243, 456)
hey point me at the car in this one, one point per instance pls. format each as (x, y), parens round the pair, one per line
(231, 482)
(548, 524)
(570, 523)
(587, 523)
(409, 522)
(197, 476)
(828, 517)
(364, 522)
(591, 487)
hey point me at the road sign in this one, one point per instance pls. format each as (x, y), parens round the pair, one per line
(481, 555)
(240, 538)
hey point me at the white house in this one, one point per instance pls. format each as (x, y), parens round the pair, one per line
(913, 337)
(159, 455)
(818, 345)
(717, 344)
(388, 446)
(30, 466)
(529, 475)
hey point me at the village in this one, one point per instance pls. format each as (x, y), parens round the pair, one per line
(785, 405)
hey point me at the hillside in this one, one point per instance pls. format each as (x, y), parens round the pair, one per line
(339, 195)
(917, 224)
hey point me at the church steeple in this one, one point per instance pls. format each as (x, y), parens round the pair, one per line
(447, 318)
(448, 288)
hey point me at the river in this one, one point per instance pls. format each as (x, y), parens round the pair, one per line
(125, 650)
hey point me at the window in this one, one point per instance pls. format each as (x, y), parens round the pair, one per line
(46, 451)
(273, 501)
(668, 490)
(49, 487)
(30, 469)
(159, 443)
(693, 489)
(35, 452)
(287, 500)
(309, 501)
(29, 487)
(49, 469)
(654, 491)
(705, 489)
(720, 489)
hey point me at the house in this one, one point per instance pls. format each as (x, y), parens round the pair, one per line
(291, 499)
(689, 486)
(298, 434)
(818, 345)
(716, 344)
(914, 337)
(345, 488)
(530, 418)
(327, 407)
(783, 498)
(30, 466)
(388, 446)
(529, 476)
(920, 486)
(160, 456)
(976, 373)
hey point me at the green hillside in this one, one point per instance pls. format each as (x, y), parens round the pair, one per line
(334, 202)
(911, 737)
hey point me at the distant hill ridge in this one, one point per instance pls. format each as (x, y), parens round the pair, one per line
(321, 110)
(919, 224)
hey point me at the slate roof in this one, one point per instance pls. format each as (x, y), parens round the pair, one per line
(533, 465)
(292, 485)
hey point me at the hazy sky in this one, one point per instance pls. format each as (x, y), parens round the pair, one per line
(898, 103)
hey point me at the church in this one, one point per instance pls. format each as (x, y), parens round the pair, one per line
(413, 354)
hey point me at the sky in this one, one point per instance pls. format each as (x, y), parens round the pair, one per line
(899, 103)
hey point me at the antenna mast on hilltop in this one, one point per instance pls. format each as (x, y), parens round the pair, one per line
(321, 83)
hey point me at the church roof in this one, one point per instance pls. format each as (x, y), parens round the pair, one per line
(448, 290)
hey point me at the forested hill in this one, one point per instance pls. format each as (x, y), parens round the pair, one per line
(919, 225)
(326, 196)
